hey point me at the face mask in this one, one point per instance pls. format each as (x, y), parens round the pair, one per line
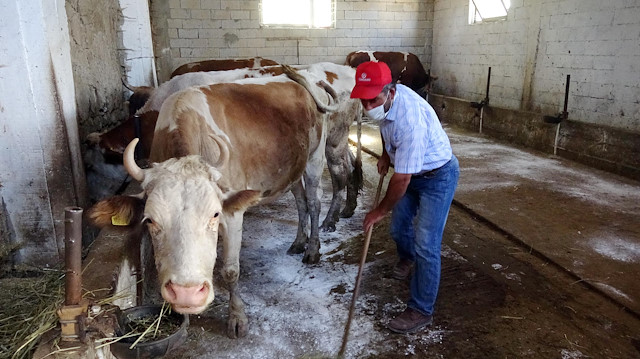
(377, 113)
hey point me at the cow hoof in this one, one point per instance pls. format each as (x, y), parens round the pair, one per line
(347, 213)
(237, 328)
(311, 258)
(328, 227)
(296, 249)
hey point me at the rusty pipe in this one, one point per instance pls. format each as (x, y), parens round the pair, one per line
(73, 255)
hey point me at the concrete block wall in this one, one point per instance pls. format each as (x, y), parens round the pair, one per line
(197, 30)
(97, 66)
(531, 52)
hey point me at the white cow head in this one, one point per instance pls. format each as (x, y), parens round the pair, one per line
(183, 210)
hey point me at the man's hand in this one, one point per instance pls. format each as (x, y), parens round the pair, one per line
(383, 164)
(395, 190)
(372, 218)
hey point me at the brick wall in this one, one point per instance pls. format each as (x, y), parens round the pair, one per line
(596, 42)
(219, 29)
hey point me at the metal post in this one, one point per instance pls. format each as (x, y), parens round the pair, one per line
(555, 142)
(74, 310)
(486, 98)
(565, 114)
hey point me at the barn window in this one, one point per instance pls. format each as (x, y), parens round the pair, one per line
(298, 13)
(488, 10)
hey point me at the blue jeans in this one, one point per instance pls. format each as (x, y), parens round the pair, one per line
(427, 200)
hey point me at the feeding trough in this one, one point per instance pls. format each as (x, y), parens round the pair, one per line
(163, 331)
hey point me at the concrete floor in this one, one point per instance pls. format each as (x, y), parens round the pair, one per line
(583, 220)
(576, 218)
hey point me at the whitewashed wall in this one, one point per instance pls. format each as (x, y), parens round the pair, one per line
(531, 52)
(40, 168)
(221, 29)
(137, 45)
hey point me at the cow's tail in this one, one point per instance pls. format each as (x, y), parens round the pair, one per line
(358, 176)
(298, 78)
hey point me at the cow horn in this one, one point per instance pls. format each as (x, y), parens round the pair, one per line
(223, 158)
(130, 163)
(295, 76)
(128, 86)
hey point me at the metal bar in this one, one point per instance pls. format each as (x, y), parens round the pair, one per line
(555, 142)
(476, 10)
(488, 83)
(504, 7)
(566, 97)
(73, 255)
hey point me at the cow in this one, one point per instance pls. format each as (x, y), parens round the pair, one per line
(405, 68)
(345, 170)
(104, 173)
(217, 151)
(221, 65)
(140, 94)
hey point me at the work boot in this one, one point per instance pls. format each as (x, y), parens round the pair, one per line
(402, 269)
(410, 321)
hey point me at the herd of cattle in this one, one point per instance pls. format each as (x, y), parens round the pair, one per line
(222, 136)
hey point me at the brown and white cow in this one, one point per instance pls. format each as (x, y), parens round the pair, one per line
(217, 151)
(345, 170)
(222, 65)
(405, 67)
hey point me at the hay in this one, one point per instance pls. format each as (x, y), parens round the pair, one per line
(147, 329)
(153, 325)
(28, 310)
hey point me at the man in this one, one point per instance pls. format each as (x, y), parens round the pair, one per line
(420, 190)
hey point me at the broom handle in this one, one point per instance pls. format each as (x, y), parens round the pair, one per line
(356, 289)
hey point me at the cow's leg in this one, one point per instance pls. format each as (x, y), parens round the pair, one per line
(312, 176)
(300, 243)
(231, 233)
(354, 184)
(356, 178)
(338, 172)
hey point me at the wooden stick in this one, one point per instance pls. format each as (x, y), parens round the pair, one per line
(356, 289)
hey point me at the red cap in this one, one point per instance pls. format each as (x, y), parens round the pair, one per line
(371, 77)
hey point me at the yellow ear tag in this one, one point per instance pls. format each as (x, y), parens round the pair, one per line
(119, 220)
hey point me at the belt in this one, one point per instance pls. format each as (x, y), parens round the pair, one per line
(428, 172)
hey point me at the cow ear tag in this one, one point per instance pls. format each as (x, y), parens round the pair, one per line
(118, 220)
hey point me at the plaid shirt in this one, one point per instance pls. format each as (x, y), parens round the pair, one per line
(413, 136)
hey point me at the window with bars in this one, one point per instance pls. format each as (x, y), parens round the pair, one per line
(488, 10)
(313, 14)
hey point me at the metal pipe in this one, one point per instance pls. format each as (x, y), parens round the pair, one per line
(485, 102)
(565, 114)
(555, 143)
(486, 98)
(73, 255)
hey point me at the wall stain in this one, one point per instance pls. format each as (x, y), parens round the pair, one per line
(230, 39)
